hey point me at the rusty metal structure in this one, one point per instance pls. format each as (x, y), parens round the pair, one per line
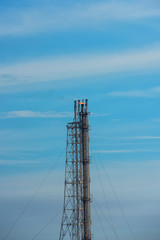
(76, 218)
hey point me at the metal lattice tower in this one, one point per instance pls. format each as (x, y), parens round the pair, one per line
(76, 219)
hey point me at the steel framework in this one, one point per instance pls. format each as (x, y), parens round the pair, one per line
(76, 219)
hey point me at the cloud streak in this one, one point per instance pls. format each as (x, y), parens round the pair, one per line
(16, 162)
(145, 137)
(125, 151)
(36, 114)
(149, 93)
(131, 138)
(54, 18)
(33, 114)
(100, 114)
(75, 66)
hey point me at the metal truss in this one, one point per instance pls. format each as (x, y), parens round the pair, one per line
(76, 222)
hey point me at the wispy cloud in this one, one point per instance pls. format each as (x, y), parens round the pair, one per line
(51, 17)
(36, 114)
(33, 114)
(130, 137)
(100, 114)
(145, 137)
(16, 162)
(112, 151)
(153, 92)
(125, 151)
(69, 67)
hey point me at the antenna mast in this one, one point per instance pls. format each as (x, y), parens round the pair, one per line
(76, 218)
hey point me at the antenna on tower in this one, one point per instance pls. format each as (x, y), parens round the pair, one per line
(76, 218)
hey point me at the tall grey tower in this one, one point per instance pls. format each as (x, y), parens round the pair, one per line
(76, 218)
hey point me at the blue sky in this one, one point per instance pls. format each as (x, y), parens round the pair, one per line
(52, 52)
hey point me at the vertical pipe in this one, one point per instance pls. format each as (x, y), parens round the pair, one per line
(86, 104)
(78, 107)
(75, 110)
(77, 182)
(86, 174)
(82, 108)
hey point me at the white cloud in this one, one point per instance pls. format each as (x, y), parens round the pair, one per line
(130, 138)
(145, 137)
(33, 114)
(16, 162)
(125, 151)
(140, 137)
(153, 92)
(100, 114)
(36, 114)
(73, 66)
(54, 18)
(112, 151)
